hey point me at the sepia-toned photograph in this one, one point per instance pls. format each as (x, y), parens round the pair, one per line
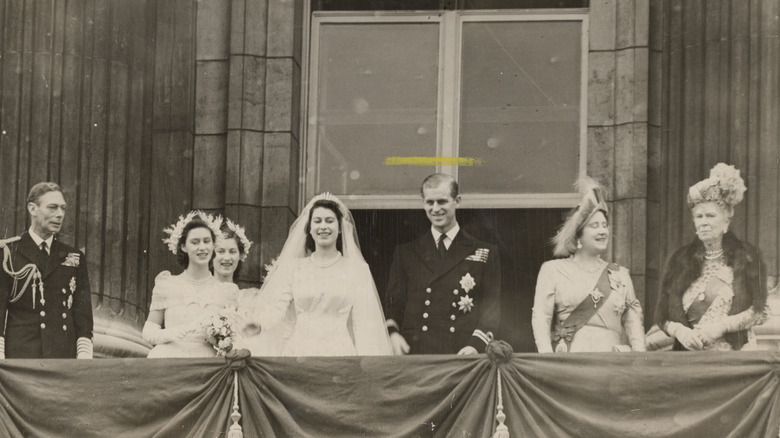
(390, 218)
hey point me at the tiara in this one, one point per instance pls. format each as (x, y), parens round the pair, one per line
(239, 231)
(175, 230)
(327, 196)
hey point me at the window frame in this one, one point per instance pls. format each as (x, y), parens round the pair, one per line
(448, 102)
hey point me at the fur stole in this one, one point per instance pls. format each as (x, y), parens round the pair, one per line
(685, 266)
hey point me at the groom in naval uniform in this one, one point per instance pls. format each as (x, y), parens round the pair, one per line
(443, 294)
(45, 300)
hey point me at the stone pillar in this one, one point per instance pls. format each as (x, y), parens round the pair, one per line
(618, 125)
(248, 88)
(280, 164)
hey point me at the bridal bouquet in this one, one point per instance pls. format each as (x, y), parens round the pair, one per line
(221, 331)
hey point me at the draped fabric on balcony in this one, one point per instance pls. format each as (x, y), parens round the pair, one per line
(583, 395)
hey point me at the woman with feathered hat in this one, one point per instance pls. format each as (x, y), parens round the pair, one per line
(582, 303)
(714, 289)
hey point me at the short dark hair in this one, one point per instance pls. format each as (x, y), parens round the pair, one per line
(41, 189)
(437, 179)
(181, 257)
(227, 233)
(332, 206)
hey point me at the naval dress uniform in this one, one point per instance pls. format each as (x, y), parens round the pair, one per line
(441, 303)
(46, 322)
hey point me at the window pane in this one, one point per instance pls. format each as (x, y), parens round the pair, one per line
(377, 98)
(520, 106)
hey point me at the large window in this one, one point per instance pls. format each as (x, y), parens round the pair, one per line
(496, 99)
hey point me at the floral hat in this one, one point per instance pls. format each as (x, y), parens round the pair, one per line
(175, 230)
(724, 187)
(240, 233)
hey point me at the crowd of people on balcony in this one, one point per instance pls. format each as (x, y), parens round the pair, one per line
(443, 294)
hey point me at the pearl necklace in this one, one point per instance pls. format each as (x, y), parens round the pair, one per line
(590, 270)
(196, 282)
(713, 252)
(326, 263)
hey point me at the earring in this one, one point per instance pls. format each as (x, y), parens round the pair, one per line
(579, 244)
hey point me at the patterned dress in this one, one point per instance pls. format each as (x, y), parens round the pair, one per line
(717, 279)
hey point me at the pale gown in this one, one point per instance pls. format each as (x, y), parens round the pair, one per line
(562, 285)
(188, 304)
(335, 310)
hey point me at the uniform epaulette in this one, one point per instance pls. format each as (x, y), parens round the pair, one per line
(4, 242)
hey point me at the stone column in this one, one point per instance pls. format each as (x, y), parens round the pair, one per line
(280, 151)
(618, 126)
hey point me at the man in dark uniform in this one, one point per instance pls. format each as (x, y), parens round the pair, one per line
(443, 295)
(45, 304)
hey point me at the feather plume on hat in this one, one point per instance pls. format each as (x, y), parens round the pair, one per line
(593, 200)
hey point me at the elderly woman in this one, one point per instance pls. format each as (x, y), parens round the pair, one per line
(589, 303)
(714, 289)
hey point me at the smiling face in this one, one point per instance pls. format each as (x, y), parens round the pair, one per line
(199, 246)
(595, 234)
(324, 227)
(711, 221)
(47, 215)
(440, 206)
(226, 257)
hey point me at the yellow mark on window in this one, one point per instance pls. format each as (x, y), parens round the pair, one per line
(434, 161)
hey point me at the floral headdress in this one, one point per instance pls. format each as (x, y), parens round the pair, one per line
(593, 200)
(240, 233)
(175, 230)
(724, 186)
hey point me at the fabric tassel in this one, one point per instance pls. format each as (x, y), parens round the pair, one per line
(235, 429)
(501, 430)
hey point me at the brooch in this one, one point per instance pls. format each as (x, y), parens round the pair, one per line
(467, 283)
(466, 303)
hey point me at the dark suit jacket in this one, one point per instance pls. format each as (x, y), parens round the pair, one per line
(50, 329)
(424, 294)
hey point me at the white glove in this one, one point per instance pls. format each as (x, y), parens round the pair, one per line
(397, 341)
(155, 334)
(2, 347)
(687, 337)
(84, 348)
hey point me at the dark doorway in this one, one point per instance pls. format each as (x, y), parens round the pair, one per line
(522, 236)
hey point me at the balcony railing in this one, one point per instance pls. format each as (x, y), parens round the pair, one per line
(553, 395)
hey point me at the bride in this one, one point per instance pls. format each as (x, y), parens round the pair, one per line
(322, 278)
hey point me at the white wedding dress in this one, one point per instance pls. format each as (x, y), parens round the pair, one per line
(334, 312)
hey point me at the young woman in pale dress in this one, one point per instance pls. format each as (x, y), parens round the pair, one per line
(323, 289)
(564, 283)
(230, 253)
(182, 304)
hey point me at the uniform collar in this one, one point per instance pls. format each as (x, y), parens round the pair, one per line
(451, 234)
(37, 239)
